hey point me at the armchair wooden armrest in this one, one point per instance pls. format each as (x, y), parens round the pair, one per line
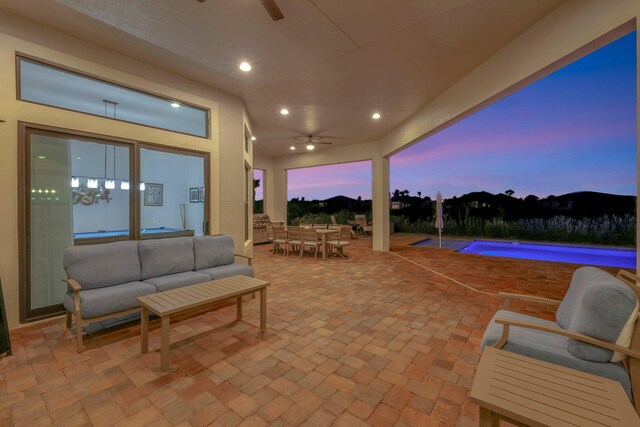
(628, 278)
(509, 296)
(248, 258)
(506, 323)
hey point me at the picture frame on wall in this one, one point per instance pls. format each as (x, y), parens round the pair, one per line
(201, 194)
(194, 195)
(153, 195)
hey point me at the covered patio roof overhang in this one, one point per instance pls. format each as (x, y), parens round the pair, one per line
(571, 31)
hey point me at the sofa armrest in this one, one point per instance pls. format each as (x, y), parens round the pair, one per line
(506, 323)
(509, 296)
(76, 288)
(71, 283)
(248, 258)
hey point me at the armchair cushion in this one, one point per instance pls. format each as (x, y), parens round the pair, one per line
(549, 347)
(601, 306)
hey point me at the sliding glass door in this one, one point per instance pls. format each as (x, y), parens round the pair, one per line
(77, 190)
(74, 193)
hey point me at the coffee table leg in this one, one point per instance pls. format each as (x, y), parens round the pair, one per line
(488, 418)
(144, 326)
(239, 308)
(164, 343)
(263, 308)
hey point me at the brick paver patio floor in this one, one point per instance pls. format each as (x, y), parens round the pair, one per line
(382, 339)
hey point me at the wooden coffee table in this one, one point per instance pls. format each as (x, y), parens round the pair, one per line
(530, 392)
(195, 297)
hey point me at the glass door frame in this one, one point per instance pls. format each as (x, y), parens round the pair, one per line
(25, 130)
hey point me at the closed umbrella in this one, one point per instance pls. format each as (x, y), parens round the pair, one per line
(439, 220)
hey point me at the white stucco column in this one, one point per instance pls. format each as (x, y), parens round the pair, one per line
(380, 202)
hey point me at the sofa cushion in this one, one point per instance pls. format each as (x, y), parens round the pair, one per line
(101, 301)
(228, 270)
(97, 266)
(598, 305)
(178, 280)
(161, 257)
(212, 251)
(549, 347)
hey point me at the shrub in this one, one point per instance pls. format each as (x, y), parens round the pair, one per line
(608, 229)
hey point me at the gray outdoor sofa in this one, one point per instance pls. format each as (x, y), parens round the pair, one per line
(105, 280)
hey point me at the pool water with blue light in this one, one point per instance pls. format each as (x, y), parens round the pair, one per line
(597, 256)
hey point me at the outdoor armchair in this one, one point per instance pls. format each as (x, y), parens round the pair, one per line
(361, 221)
(596, 329)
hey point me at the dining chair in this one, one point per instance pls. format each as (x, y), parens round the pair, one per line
(342, 239)
(279, 239)
(294, 239)
(311, 241)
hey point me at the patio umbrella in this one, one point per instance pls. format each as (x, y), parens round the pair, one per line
(439, 220)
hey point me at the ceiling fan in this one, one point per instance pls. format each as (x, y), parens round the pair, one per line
(309, 142)
(271, 6)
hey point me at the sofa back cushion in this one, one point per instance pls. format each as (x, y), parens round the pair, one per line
(160, 257)
(108, 264)
(213, 251)
(598, 305)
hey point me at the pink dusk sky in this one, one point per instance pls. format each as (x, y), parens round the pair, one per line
(574, 130)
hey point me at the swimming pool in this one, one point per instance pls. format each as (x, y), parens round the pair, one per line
(621, 258)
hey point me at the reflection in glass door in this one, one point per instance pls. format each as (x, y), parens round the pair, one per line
(172, 194)
(77, 193)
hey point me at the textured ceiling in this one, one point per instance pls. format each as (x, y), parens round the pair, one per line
(332, 63)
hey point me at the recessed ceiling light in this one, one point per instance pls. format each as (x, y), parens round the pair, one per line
(310, 147)
(375, 116)
(253, 138)
(175, 105)
(245, 66)
(292, 148)
(42, 157)
(284, 111)
(78, 158)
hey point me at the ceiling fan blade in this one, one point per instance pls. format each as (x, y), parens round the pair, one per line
(273, 9)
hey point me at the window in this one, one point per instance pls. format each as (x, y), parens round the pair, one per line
(57, 87)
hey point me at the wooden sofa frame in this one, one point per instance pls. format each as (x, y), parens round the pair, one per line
(74, 286)
(632, 361)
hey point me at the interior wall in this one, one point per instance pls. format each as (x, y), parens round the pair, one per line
(226, 121)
